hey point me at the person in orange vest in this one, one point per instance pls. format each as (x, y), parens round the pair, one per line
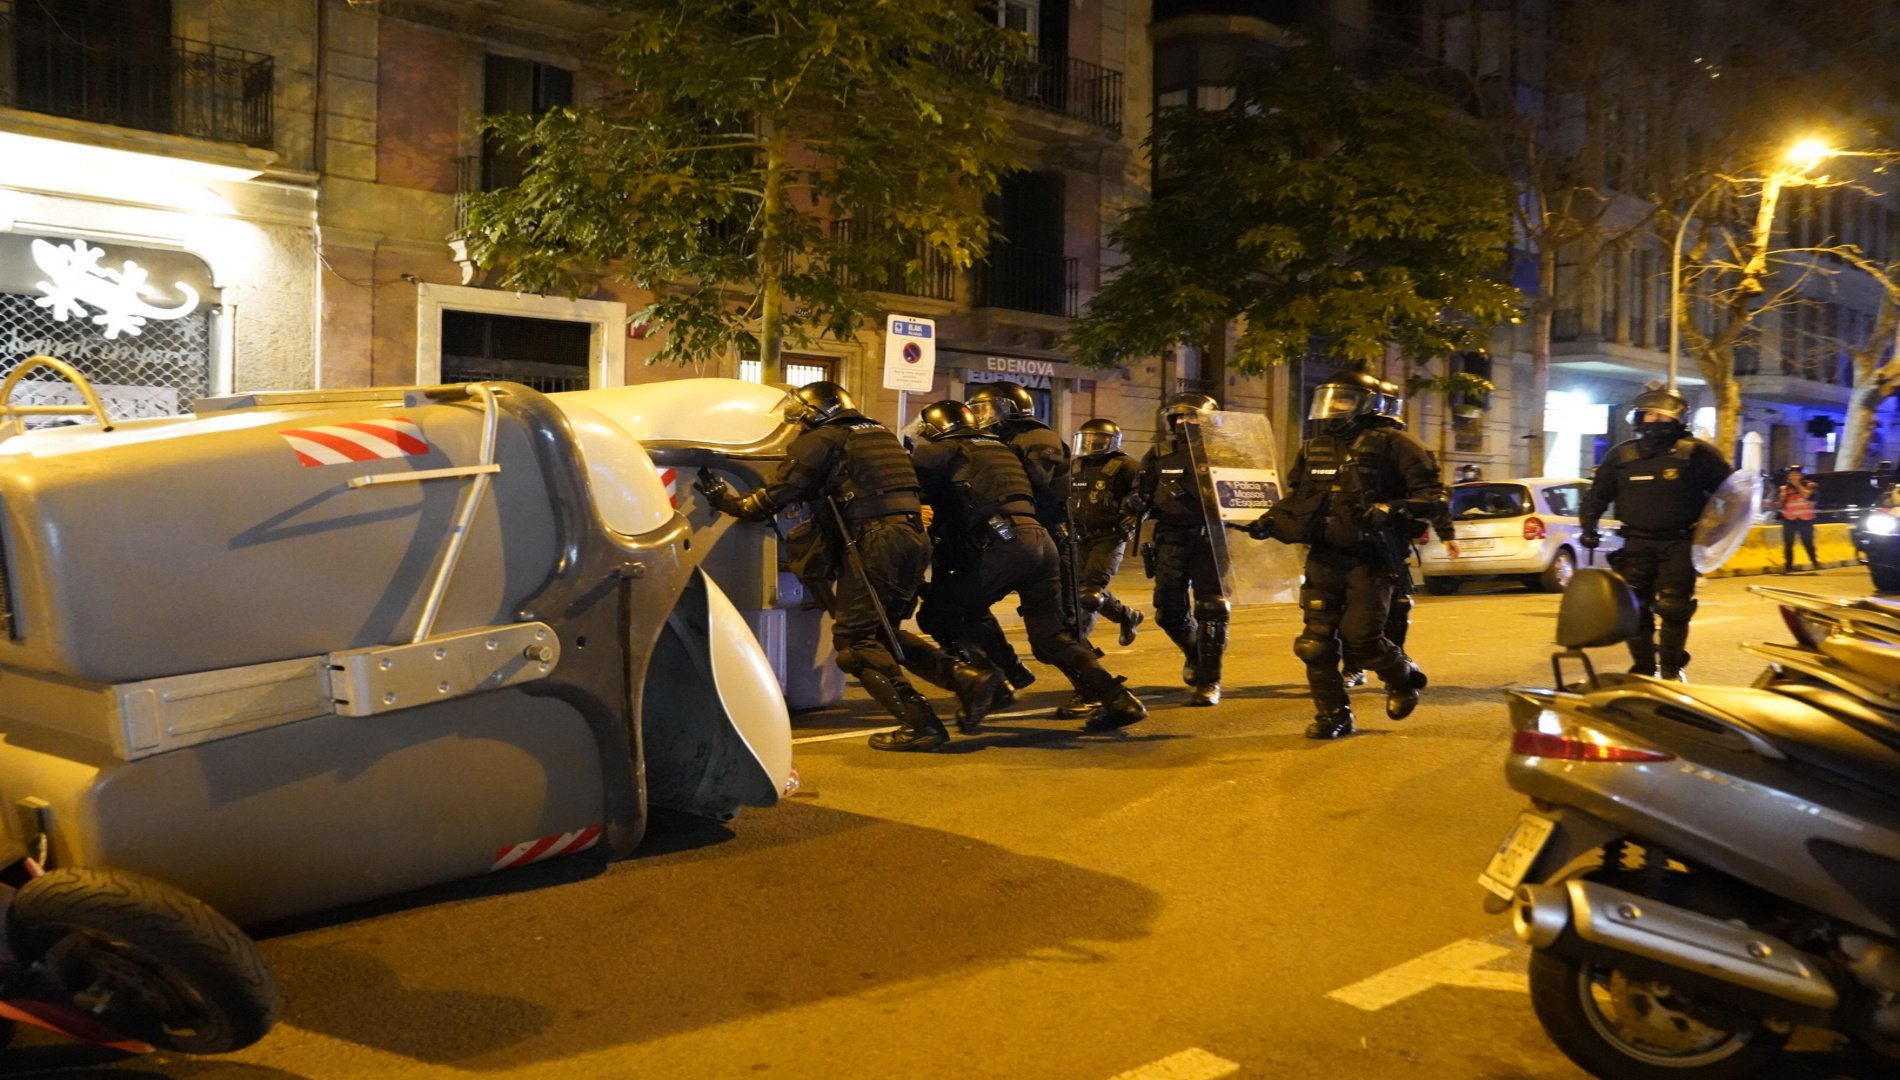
(1797, 517)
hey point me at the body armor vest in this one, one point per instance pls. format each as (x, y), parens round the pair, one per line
(1177, 493)
(874, 475)
(1097, 485)
(1658, 494)
(1043, 454)
(989, 480)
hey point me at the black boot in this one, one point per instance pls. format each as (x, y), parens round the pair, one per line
(1355, 677)
(919, 728)
(979, 691)
(1019, 675)
(1401, 694)
(1124, 709)
(1210, 642)
(1330, 725)
(1131, 618)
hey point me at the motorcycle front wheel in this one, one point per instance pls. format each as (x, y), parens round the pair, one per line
(148, 961)
(1619, 1026)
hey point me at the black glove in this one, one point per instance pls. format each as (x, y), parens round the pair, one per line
(717, 492)
(1128, 527)
(1260, 528)
(1589, 538)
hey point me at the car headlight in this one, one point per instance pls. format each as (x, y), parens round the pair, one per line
(1882, 524)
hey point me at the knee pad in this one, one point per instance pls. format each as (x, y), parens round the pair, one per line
(1208, 610)
(852, 662)
(1402, 604)
(1089, 598)
(1315, 650)
(1675, 606)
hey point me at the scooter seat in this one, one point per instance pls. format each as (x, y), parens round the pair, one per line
(1823, 729)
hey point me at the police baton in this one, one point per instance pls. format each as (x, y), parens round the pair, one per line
(864, 578)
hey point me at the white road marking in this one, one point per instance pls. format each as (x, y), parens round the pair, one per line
(861, 732)
(1193, 1063)
(1458, 964)
(836, 735)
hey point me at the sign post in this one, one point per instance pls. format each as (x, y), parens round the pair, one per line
(910, 357)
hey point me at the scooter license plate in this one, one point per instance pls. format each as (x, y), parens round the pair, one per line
(1517, 854)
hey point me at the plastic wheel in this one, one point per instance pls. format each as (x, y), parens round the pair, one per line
(1556, 577)
(149, 961)
(1622, 1026)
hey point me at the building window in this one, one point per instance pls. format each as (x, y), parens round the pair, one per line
(795, 369)
(549, 355)
(514, 85)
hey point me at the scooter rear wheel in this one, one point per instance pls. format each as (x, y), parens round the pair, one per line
(1623, 1027)
(147, 960)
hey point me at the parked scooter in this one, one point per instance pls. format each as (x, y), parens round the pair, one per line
(1704, 868)
(122, 961)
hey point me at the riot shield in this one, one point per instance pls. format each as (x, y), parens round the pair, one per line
(1726, 520)
(1237, 471)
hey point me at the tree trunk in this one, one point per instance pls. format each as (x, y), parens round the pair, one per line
(1543, 318)
(772, 254)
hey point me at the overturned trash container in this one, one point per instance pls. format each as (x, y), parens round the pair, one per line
(732, 428)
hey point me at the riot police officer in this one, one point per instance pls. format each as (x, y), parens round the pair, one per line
(1658, 484)
(1005, 409)
(1101, 478)
(1358, 490)
(1183, 562)
(856, 466)
(1389, 411)
(991, 544)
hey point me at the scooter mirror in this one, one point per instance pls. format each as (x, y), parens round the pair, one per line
(1598, 609)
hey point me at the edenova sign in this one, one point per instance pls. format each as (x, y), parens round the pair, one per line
(910, 353)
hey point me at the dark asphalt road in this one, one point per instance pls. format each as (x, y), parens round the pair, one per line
(1176, 903)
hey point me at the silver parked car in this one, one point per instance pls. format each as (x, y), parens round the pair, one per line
(1525, 529)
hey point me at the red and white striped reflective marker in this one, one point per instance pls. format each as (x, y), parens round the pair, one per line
(364, 440)
(533, 851)
(670, 477)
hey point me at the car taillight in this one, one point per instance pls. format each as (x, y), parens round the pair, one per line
(1533, 528)
(1581, 744)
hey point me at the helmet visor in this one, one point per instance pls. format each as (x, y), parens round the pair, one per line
(1090, 443)
(1651, 417)
(793, 409)
(987, 412)
(1334, 402)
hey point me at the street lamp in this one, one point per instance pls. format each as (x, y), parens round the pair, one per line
(1802, 157)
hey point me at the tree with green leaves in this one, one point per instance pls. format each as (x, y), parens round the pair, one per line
(756, 163)
(1322, 211)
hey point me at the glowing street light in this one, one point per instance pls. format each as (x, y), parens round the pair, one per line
(1802, 157)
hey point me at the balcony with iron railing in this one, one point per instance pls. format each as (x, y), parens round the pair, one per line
(170, 85)
(1066, 86)
(939, 277)
(1024, 279)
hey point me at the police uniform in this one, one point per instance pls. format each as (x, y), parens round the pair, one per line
(1005, 410)
(1658, 484)
(1368, 485)
(1167, 490)
(860, 468)
(1099, 485)
(990, 545)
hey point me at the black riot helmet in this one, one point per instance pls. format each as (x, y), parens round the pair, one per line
(1659, 413)
(817, 403)
(998, 402)
(1343, 400)
(941, 418)
(1185, 406)
(1098, 436)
